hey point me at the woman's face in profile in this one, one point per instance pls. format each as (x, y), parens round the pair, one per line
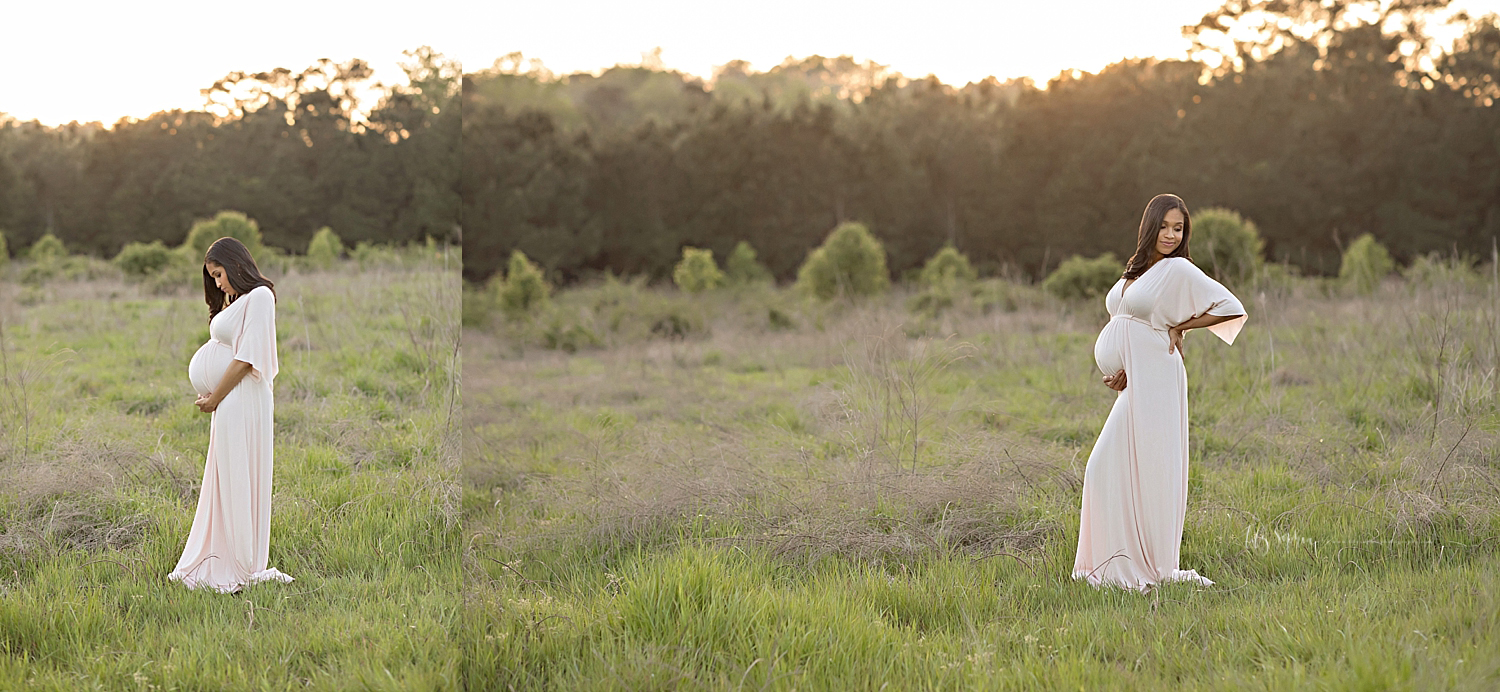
(1169, 236)
(222, 280)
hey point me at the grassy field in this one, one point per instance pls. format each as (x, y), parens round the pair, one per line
(102, 452)
(744, 491)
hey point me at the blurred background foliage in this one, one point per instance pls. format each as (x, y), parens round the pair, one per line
(293, 151)
(1319, 123)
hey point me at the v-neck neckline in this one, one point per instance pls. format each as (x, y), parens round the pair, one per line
(1132, 282)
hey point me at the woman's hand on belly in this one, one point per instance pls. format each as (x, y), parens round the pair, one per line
(1115, 381)
(232, 375)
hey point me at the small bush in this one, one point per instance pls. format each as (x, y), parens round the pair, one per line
(1082, 278)
(851, 262)
(225, 224)
(1003, 295)
(524, 291)
(675, 325)
(947, 266)
(779, 321)
(1434, 270)
(632, 312)
(568, 336)
(370, 255)
(143, 259)
(1226, 246)
(696, 272)
(1365, 264)
(67, 268)
(4, 250)
(1277, 279)
(47, 249)
(325, 247)
(932, 301)
(743, 268)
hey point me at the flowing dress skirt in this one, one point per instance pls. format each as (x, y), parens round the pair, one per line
(229, 545)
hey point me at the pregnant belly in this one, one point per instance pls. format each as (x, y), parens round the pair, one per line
(1119, 336)
(1109, 348)
(208, 366)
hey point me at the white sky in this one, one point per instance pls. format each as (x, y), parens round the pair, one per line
(93, 60)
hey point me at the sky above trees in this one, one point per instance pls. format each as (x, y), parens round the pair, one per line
(101, 61)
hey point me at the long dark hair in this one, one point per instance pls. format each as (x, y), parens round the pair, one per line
(239, 270)
(1145, 243)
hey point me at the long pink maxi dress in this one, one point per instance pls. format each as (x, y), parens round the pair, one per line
(229, 545)
(1135, 485)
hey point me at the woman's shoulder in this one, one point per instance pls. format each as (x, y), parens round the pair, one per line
(1181, 264)
(261, 296)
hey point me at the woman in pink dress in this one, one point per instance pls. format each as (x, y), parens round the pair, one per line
(1135, 485)
(229, 545)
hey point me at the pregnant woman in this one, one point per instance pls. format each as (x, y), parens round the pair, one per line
(229, 545)
(1135, 485)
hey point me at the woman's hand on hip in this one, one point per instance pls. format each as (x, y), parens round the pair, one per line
(1174, 340)
(1115, 381)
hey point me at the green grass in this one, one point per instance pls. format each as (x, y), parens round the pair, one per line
(101, 454)
(864, 501)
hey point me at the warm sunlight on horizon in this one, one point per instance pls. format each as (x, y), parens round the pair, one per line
(106, 62)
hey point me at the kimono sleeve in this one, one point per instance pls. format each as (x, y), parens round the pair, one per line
(256, 343)
(1191, 293)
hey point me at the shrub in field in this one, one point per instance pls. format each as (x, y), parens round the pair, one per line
(944, 278)
(851, 262)
(1434, 269)
(143, 259)
(1365, 264)
(4, 250)
(47, 249)
(932, 301)
(778, 321)
(743, 268)
(1278, 279)
(325, 247)
(1079, 277)
(632, 312)
(1226, 246)
(696, 271)
(225, 224)
(568, 335)
(369, 254)
(524, 291)
(948, 265)
(1004, 295)
(68, 267)
(48, 256)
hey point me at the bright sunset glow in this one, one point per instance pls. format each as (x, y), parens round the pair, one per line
(103, 61)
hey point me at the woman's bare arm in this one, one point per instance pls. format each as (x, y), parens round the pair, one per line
(236, 371)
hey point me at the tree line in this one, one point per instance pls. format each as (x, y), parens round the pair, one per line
(1319, 123)
(295, 151)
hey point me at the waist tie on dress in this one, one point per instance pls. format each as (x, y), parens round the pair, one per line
(1133, 318)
